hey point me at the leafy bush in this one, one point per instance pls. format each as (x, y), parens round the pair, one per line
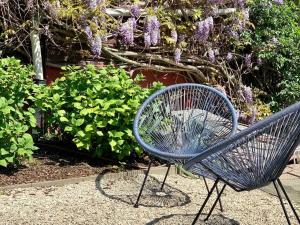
(276, 40)
(16, 117)
(95, 107)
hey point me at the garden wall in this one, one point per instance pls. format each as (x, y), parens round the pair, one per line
(167, 78)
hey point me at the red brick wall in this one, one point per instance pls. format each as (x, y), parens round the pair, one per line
(167, 78)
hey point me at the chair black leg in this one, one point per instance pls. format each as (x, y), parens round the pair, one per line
(146, 175)
(207, 188)
(205, 201)
(215, 203)
(163, 184)
(281, 202)
(289, 201)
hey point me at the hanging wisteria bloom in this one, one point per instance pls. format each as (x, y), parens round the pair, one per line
(177, 55)
(211, 55)
(92, 4)
(278, 2)
(239, 3)
(248, 60)
(229, 56)
(96, 46)
(210, 22)
(154, 30)
(133, 22)
(259, 61)
(135, 11)
(147, 39)
(88, 33)
(203, 29)
(126, 32)
(248, 95)
(152, 27)
(174, 35)
(215, 2)
(29, 4)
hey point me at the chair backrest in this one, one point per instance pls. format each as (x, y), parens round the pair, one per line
(257, 155)
(184, 119)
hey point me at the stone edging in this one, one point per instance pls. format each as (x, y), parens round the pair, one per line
(58, 183)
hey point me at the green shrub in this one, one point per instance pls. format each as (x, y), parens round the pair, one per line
(276, 40)
(95, 108)
(16, 117)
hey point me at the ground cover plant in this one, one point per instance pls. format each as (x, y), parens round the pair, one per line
(95, 108)
(16, 115)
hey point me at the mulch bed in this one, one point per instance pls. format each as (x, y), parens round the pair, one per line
(53, 163)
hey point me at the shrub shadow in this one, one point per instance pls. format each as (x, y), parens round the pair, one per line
(182, 219)
(125, 187)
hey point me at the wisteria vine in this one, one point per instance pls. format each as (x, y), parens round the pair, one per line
(197, 38)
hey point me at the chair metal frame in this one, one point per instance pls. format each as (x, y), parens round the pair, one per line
(206, 164)
(181, 158)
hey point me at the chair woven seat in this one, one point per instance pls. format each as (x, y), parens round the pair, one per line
(255, 157)
(181, 121)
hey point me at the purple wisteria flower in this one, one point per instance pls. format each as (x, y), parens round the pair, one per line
(248, 95)
(239, 3)
(278, 2)
(211, 55)
(215, 2)
(174, 35)
(155, 30)
(152, 26)
(147, 39)
(96, 46)
(229, 56)
(133, 22)
(92, 4)
(29, 4)
(135, 11)
(126, 32)
(248, 61)
(177, 55)
(204, 27)
(88, 33)
(259, 61)
(234, 34)
(210, 22)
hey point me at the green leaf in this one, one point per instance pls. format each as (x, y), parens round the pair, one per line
(81, 133)
(63, 119)
(3, 162)
(68, 129)
(77, 105)
(56, 98)
(79, 122)
(100, 133)
(112, 144)
(88, 128)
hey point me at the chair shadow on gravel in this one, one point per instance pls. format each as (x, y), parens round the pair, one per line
(125, 187)
(187, 219)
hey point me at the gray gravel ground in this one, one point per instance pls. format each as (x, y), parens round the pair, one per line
(109, 200)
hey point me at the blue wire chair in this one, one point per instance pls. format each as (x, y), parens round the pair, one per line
(253, 158)
(179, 122)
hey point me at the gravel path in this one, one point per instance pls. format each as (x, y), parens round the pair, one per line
(109, 200)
